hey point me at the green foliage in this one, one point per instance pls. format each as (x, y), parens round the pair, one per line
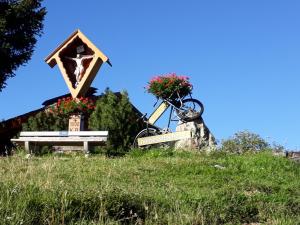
(44, 121)
(244, 141)
(115, 114)
(151, 188)
(20, 23)
(112, 112)
(153, 153)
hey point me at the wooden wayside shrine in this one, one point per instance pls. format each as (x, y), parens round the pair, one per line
(78, 60)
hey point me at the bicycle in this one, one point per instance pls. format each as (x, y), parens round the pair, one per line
(186, 110)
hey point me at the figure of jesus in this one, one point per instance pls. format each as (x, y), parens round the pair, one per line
(79, 70)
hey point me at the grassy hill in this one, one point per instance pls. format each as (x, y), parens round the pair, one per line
(156, 187)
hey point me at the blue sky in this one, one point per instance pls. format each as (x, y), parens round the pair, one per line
(243, 58)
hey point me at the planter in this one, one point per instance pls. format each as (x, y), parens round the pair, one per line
(169, 86)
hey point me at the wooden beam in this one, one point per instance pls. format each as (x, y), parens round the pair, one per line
(164, 138)
(158, 112)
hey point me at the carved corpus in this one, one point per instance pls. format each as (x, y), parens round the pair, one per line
(79, 61)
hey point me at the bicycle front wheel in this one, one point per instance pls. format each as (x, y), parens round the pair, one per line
(190, 110)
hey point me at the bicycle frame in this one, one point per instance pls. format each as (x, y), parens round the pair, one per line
(157, 113)
(164, 105)
(182, 113)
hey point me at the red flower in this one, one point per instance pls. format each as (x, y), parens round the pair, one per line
(69, 105)
(167, 86)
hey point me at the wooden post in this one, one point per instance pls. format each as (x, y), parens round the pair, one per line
(76, 123)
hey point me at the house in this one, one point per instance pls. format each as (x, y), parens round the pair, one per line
(11, 127)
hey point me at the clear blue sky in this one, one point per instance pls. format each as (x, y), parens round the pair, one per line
(243, 58)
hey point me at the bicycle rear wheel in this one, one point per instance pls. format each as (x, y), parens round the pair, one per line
(190, 110)
(144, 133)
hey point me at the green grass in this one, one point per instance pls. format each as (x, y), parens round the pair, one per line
(154, 187)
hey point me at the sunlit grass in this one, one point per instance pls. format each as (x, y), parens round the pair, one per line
(154, 187)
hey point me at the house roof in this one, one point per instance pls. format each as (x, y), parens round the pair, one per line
(9, 128)
(91, 92)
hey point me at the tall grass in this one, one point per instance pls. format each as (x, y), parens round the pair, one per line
(154, 187)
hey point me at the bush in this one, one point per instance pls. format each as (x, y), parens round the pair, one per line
(244, 141)
(115, 114)
(44, 121)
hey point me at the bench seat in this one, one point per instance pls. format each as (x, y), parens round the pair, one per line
(62, 138)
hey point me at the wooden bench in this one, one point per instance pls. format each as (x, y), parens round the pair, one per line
(62, 138)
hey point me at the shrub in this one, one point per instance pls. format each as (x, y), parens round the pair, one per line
(244, 141)
(45, 121)
(112, 112)
(115, 114)
(56, 117)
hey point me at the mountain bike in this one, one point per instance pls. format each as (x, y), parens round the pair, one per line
(184, 109)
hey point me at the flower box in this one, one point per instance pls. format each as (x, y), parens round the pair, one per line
(69, 106)
(169, 86)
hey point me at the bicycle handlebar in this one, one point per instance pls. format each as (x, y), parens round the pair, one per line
(156, 102)
(142, 117)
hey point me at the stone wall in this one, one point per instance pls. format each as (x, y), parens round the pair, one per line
(202, 138)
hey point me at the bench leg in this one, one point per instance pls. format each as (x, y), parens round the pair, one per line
(27, 147)
(86, 147)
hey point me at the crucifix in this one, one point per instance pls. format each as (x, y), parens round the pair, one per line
(79, 61)
(79, 71)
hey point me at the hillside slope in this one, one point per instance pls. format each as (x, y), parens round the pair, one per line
(156, 187)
